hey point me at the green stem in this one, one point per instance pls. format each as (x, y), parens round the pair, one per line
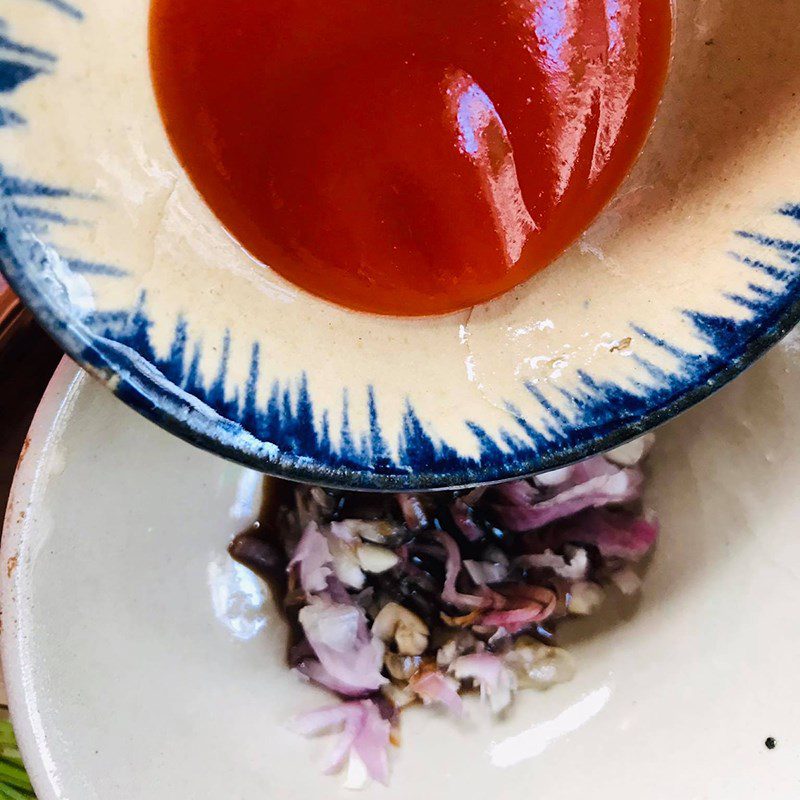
(14, 781)
(14, 776)
(10, 793)
(7, 734)
(11, 754)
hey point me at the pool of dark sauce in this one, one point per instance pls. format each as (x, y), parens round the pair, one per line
(265, 548)
(262, 550)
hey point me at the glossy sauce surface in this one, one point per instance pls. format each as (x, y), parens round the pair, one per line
(408, 156)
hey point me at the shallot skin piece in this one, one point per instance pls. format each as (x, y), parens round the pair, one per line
(349, 656)
(361, 730)
(313, 559)
(418, 599)
(434, 687)
(496, 681)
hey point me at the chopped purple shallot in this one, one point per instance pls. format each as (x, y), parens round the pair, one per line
(394, 600)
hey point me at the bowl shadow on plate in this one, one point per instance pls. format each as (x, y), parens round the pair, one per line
(698, 473)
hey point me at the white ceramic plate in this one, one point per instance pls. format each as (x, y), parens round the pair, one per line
(688, 275)
(143, 665)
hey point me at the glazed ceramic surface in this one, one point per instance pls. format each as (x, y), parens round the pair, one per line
(689, 274)
(142, 664)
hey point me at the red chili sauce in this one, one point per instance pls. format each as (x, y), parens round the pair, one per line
(408, 156)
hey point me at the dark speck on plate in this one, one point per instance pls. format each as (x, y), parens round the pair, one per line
(770, 743)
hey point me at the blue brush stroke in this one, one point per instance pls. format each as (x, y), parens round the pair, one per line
(14, 73)
(41, 215)
(9, 118)
(11, 46)
(65, 8)
(81, 267)
(12, 186)
(790, 210)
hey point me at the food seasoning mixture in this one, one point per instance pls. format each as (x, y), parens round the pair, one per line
(395, 599)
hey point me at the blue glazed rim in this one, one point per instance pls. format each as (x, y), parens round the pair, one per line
(169, 411)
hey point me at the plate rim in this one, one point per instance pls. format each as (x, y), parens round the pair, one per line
(18, 528)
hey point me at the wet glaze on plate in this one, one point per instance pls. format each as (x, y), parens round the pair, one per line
(688, 275)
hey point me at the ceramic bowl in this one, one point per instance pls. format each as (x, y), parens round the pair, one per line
(143, 664)
(689, 274)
